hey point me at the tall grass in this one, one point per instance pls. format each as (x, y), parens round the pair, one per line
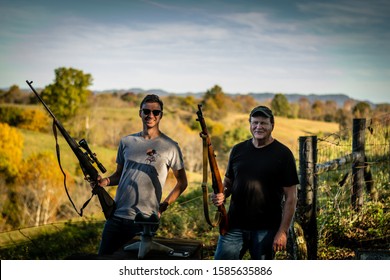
(55, 242)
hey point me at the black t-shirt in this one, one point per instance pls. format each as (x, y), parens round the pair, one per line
(259, 175)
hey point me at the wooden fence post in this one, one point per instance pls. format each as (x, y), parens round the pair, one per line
(307, 194)
(358, 143)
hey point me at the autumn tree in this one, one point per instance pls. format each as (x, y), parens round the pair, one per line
(318, 110)
(280, 106)
(189, 102)
(361, 110)
(348, 105)
(304, 111)
(11, 147)
(294, 111)
(216, 103)
(233, 136)
(14, 95)
(34, 119)
(176, 102)
(41, 190)
(68, 92)
(343, 118)
(382, 108)
(130, 97)
(245, 103)
(330, 111)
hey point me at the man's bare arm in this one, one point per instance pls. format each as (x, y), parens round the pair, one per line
(113, 179)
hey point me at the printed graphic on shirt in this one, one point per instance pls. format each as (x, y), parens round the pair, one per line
(151, 156)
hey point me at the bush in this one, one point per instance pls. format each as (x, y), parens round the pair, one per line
(34, 120)
(345, 231)
(10, 115)
(27, 118)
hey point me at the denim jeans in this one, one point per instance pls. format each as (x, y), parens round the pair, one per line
(234, 244)
(116, 233)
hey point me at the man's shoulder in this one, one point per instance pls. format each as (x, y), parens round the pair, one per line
(280, 144)
(129, 136)
(129, 139)
(281, 147)
(136, 134)
(168, 139)
(242, 144)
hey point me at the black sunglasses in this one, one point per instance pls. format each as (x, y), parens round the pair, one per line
(155, 112)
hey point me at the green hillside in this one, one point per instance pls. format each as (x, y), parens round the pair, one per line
(37, 142)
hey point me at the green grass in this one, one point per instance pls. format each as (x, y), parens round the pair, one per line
(288, 131)
(54, 242)
(37, 142)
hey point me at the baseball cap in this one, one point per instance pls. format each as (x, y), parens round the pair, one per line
(263, 110)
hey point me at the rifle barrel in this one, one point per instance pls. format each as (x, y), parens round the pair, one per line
(40, 99)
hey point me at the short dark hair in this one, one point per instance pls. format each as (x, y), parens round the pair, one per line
(152, 98)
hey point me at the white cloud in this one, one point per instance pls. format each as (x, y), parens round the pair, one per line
(324, 47)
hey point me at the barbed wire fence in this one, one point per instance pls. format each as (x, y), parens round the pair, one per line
(342, 171)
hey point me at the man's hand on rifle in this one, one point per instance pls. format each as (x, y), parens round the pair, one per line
(102, 182)
(218, 198)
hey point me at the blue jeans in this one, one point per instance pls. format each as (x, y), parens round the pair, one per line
(116, 233)
(234, 244)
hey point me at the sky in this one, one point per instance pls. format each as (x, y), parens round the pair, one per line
(245, 46)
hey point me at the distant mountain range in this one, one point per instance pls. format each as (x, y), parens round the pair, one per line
(260, 97)
(294, 97)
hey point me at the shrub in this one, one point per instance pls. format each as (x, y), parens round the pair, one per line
(10, 115)
(33, 119)
(351, 230)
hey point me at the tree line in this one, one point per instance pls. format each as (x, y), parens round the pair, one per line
(69, 92)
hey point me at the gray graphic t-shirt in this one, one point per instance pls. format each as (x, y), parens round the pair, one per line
(146, 163)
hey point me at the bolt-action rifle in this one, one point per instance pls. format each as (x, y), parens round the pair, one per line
(86, 160)
(217, 185)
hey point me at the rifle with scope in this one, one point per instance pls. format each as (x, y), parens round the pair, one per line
(86, 160)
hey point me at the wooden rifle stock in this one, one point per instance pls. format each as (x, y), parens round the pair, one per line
(217, 184)
(86, 160)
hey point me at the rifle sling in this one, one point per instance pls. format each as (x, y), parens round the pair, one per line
(63, 172)
(217, 218)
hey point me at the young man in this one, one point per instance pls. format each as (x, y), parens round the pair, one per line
(261, 178)
(143, 161)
